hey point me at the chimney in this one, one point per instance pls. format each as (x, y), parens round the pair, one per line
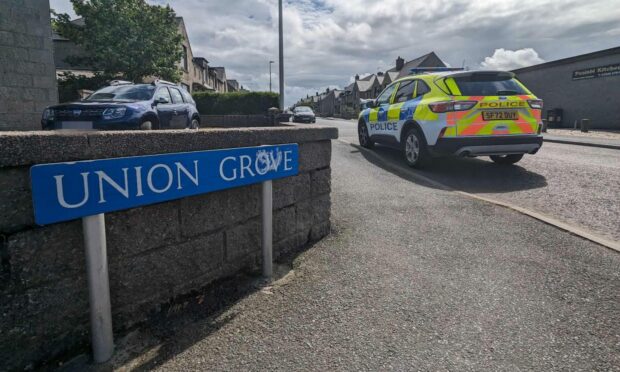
(379, 73)
(357, 77)
(400, 63)
(317, 93)
(327, 90)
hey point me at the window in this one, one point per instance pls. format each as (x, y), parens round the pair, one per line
(405, 91)
(384, 98)
(163, 93)
(176, 95)
(187, 97)
(422, 88)
(483, 85)
(185, 58)
(140, 92)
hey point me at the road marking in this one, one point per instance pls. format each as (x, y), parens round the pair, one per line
(575, 230)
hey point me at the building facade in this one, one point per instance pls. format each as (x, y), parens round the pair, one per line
(348, 102)
(583, 87)
(27, 74)
(196, 74)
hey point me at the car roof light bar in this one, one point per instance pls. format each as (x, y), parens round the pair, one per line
(422, 70)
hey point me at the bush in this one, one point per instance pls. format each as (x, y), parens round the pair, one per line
(236, 103)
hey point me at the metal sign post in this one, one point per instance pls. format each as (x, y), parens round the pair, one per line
(267, 220)
(98, 287)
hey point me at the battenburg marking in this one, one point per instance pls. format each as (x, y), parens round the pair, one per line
(66, 191)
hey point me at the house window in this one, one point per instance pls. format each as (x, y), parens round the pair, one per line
(185, 58)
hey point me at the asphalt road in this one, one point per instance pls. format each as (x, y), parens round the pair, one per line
(415, 278)
(578, 185)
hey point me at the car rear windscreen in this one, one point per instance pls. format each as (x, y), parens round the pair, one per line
(488, 85)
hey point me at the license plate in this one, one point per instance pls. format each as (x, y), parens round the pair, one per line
(500, 115)
(77, 125)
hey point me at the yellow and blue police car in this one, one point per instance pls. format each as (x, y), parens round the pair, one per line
(442, 111)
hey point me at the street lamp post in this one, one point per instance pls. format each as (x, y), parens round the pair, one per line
(281, 57)
(270, 63)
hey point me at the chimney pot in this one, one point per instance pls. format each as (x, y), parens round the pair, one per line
(400, 63)
(357, 77)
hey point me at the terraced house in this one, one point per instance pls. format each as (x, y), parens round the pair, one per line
(347, 102)
(196, 74)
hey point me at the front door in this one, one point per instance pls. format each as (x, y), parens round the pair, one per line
(179, 119)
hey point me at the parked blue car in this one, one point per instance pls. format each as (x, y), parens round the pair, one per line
(124, 105)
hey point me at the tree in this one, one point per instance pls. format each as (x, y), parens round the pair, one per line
(126, 38)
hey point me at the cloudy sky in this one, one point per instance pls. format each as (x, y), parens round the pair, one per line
(328, 41)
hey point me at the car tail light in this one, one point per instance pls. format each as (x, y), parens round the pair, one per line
(535, 103)
(447, 106)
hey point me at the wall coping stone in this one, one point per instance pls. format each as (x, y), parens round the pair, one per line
(18, 148)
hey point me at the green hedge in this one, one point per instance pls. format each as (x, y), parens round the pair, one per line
(237, 103)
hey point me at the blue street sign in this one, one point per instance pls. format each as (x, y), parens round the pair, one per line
(66, 191)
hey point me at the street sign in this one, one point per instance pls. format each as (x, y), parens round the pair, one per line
(88, 189)
(66, 191)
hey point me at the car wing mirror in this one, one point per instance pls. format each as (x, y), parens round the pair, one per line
(161, 100)
(372, 103)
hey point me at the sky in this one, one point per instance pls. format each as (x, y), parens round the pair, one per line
(328, 42)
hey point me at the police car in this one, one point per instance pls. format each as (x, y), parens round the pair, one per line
(443, 111)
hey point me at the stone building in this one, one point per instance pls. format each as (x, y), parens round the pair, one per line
(349, 100)
(27, 74)
(586, 86)
(196, 75)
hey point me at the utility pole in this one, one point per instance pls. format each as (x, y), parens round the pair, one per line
(270, 63)
(281, 57)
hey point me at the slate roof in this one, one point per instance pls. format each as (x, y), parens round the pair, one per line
(427, 60)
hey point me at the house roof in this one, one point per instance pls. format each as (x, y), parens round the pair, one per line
(365, 85)
(428, 60)
(564, 61)
(220, 73)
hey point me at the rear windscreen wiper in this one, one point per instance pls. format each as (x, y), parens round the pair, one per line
(506, 92)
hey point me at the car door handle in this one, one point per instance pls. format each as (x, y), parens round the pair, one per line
(175, 112)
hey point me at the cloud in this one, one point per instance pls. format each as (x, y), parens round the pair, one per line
(503, 59)
(328, 41)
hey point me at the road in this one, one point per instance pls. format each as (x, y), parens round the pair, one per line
(413, 278)
(575, 184)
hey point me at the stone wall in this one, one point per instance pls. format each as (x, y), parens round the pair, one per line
(27, 72)
(155, 253)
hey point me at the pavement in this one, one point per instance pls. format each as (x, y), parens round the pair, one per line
(610, 143)
(413, 277)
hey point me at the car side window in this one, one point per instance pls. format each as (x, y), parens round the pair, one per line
(384, 98)
(423, 88)
(176, 95)
(188, 97)
(405, 91)
(163, 93)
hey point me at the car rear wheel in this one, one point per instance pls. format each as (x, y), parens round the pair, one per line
(506, 159)
(414, 148)
(364, 137)
(195, 124)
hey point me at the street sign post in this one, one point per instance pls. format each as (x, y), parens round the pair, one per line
(89, 189)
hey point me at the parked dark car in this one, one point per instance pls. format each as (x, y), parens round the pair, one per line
(124, 105)
(303, 114)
